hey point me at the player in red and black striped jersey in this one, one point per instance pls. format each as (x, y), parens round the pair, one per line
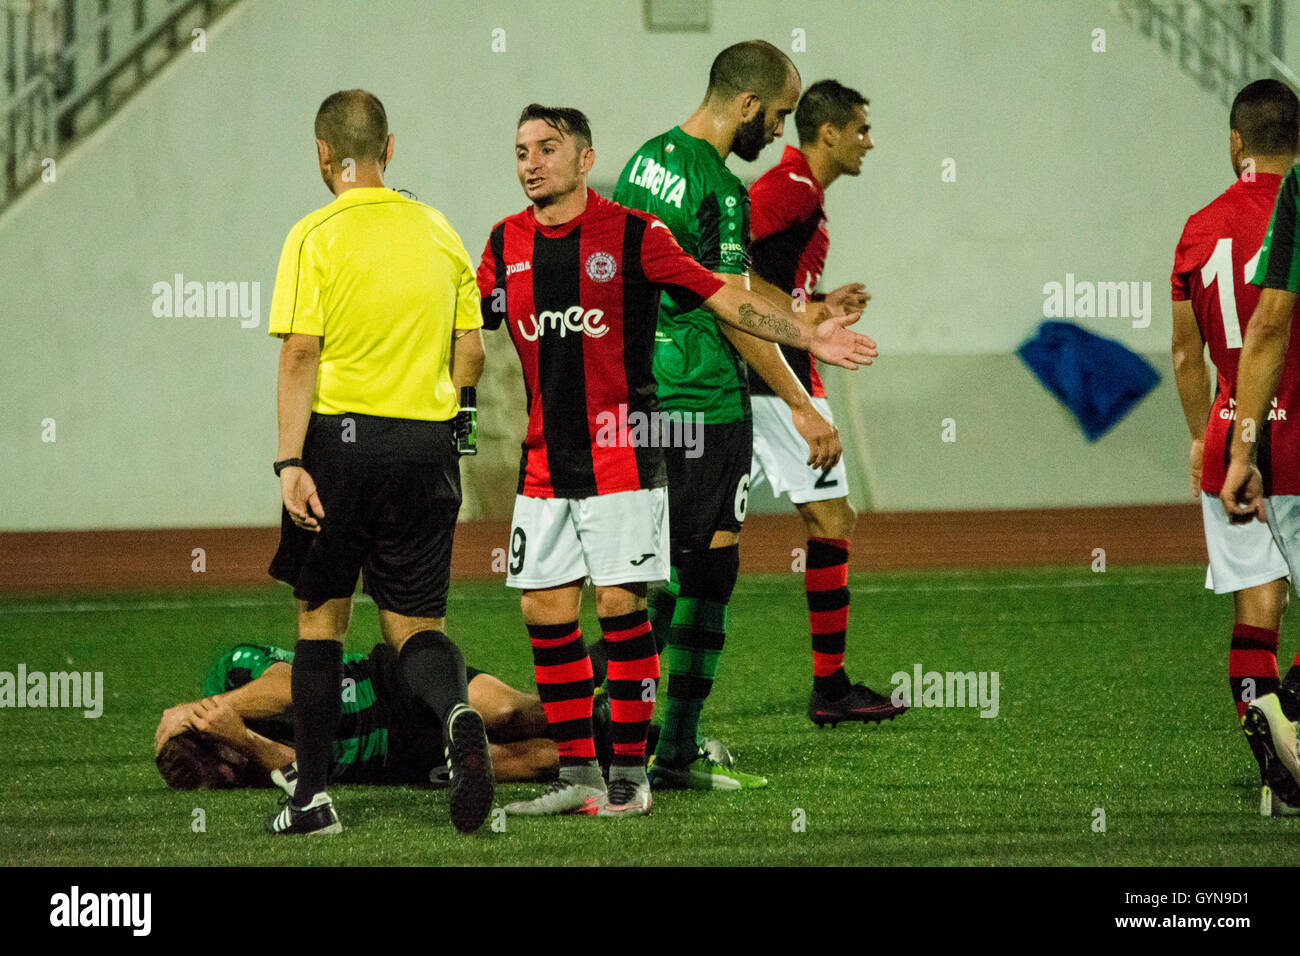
(576, 280)
(583, 300)
(789, 241)
(1213, 299)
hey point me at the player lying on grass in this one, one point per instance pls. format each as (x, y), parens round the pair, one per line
(1212, 301)
(240, 733)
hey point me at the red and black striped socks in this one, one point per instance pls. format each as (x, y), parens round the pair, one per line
(826, 581)
(633, 681)
(564, 683)
(1252, 657)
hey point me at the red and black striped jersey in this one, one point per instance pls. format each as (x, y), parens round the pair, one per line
(1214, 264)
(788, 245)
(581, 302)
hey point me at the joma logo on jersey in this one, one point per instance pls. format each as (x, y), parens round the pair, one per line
(668, 186)
(572, 319)
(514, 267)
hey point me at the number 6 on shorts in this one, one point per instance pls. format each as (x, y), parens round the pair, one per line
(742, 498)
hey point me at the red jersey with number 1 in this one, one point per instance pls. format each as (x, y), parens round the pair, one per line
(1213, 266)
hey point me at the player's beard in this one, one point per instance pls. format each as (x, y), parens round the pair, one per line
(751, 137)
(561, 190)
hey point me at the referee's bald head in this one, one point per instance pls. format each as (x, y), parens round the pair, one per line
(353, 124)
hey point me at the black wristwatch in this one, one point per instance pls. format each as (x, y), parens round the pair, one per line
(280, 466)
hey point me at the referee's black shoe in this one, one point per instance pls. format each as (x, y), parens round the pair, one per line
(861, 703)
(473, 783)
(317, 817)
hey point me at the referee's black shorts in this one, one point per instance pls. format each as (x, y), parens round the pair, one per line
(709, 492)
(390, 488)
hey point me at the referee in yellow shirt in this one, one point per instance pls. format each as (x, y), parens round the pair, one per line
(376, 302)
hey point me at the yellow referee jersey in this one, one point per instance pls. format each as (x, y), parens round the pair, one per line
(383, 280)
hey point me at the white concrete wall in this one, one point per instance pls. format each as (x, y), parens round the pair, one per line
(1067, 161)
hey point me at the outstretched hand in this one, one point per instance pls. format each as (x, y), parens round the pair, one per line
(832, 342)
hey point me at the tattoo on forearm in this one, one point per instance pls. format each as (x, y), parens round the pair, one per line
(756, 321)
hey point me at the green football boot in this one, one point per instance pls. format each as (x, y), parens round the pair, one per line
(702, 773)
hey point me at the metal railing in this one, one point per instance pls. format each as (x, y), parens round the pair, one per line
(67, 65)
(1219, 45)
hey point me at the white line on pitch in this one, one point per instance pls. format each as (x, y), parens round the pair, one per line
(181, 604)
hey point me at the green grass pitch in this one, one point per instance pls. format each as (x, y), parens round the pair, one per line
(1113, 695)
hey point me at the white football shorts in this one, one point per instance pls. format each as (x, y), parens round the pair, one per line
(1284, 521)
(781, 455)
(1241, 555)
(618, 538)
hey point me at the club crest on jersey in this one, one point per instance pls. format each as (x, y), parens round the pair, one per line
(572, 319)
(601, 266)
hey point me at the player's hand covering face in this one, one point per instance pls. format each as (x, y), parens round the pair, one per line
(174, 720)
(218, 719)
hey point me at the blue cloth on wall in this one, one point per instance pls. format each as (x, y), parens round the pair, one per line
(1096, 378)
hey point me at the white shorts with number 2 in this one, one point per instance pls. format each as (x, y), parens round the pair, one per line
(781, 455)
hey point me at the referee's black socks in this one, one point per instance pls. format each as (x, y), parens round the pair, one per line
(434, 670)
(317, 706)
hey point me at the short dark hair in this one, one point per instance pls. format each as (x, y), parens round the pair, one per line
(1267, 115)
(826, 101)
(752, 66)
(562, 119)
(190, 761)
(354, 125)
